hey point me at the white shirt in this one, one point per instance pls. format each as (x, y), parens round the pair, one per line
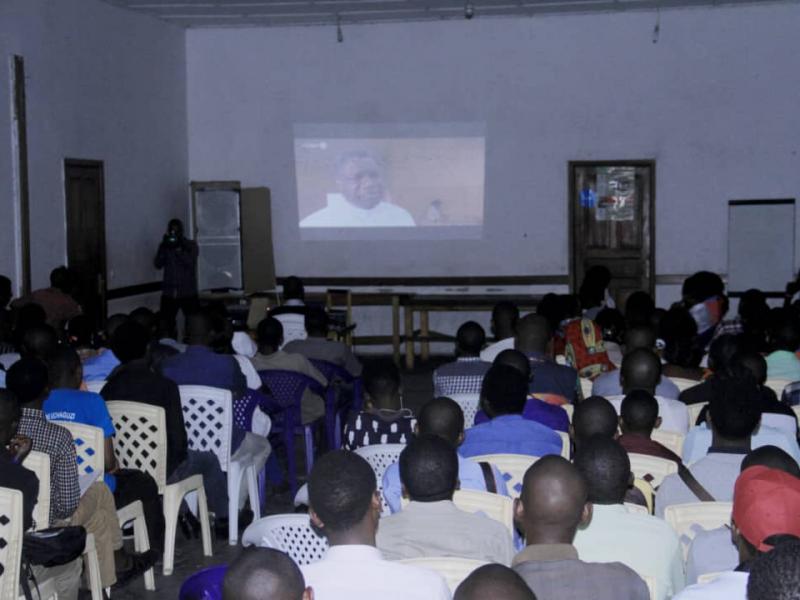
(644, 543)
(361, 573)
(491, 351)
(698, 441)
(341, 213)
(674, 414)
(728, 586)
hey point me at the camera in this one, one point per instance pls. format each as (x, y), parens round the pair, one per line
(469, 11)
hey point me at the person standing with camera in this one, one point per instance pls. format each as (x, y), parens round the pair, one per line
(177, 255)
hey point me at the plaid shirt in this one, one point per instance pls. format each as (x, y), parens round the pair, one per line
(56, 442)
(464, 376)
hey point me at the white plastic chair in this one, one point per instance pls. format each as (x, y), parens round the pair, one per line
(208, 417)
(647, 491)
(470, 404)
(141, 443)
(708, 577)
(650, 581)
(658, 468)
(294, 327)
(11, 536)
(39, 463)
(566, 444)
(796, 409)
(289, 533)
(95, 386)
(497, 507)
(777, 385)
(134, 512)
(694, 412)
(570, 408)
(379, 457)
(636, 509)
(672, 440)
(684, 384)
(687, 519)
(511, 466)
(454, 570)
(586, 386)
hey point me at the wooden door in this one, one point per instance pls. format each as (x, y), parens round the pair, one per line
(86, 234)
(612, 223)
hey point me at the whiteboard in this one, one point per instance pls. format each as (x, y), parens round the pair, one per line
(760, 244)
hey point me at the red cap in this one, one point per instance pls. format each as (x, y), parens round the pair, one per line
(766, 502)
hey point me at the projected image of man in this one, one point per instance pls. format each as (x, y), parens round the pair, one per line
(362, 199)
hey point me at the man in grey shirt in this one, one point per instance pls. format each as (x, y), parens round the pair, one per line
(553, 503)
(317, 346)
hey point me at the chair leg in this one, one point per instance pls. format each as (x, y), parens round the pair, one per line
(252, 489)
(308, 434)
(93, 568)
(234, 484)
(141, 542)
(291, 460)
(205, 522)
(172, 507)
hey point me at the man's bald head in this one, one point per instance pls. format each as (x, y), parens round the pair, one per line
(641, 370)
(516, 359)
(553, 502)
(263, 573)
(444, 418)
(594, 416)
(494, 581)
(532, 334)
(199, 328)
(641, 336)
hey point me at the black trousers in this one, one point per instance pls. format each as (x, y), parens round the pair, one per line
(170, 307)
(135, 485)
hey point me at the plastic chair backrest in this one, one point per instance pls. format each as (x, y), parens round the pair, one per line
(470, 404)
(636, 508)
(566, 444)
(687, 519)
(570, 408)
(586, 387)
(708, 577)
(294, 327)
(379, 457)
(511, 466)
(204, 585)
(647, 491)
(95, 386)
(89, 447)
(650, 581)
(694, 412)
(684, 384)
(796, 409)
(454, 570)
(141, 440)
(497, 507)
(777, 385)
(289, 533)
(207, 415)
(658, 468)
(672, 440)
(10, 541)
(39, 463)
(286, 388)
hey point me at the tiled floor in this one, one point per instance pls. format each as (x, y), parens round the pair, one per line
(417, 389)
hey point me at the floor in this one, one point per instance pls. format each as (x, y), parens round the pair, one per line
(417, 389)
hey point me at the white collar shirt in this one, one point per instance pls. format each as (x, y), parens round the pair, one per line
(491, 351)
(728, 586)
(358, 572)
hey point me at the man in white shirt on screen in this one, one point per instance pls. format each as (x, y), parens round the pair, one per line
(362, 200)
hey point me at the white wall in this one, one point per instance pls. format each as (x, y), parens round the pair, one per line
(714, 102)
(105, 84)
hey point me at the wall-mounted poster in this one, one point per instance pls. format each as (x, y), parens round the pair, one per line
(611, 192)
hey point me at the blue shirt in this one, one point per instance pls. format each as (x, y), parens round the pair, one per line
(99, 367)
(549, 377)
(510, 434)
(470, 475)
(698, 441)
(537, 410)
(77, 406)
(608, 384)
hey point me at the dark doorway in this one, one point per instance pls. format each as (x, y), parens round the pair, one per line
(611, 207)
(86, 234)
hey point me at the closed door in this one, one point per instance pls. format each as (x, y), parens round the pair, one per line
(612, 223)
(86, 235)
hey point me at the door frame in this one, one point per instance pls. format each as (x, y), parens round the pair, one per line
(83, 162)
(651, 229)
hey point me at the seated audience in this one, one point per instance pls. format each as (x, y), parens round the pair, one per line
(584, 348)
(442, 417)
(644, 543)
(317, 346)
(639, 309)
(594, 295)
(638, 418)
(67, 402)
(754, 364)
(80, 334)
(720, 353)
(259, 573)
(503, 400)
(465, 374)
(552, 415)
(713, 550)
(270, 358)
(766, 503)
(612, 324)
(493, 581)
(704, 297)
(294, 295)
(593, 416)
(610, 384)
(92, 508)
(784, 339)
(383, 420)
(134, 380)
(431, 524)
(157, 352)
(776, 574)
(344, 505)
(682, 351)
(553, 504)
(99, 366)
(641, 370)
(15, 448)
(504, 319)
(751, 320)
(554, 383)
(57, 300)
